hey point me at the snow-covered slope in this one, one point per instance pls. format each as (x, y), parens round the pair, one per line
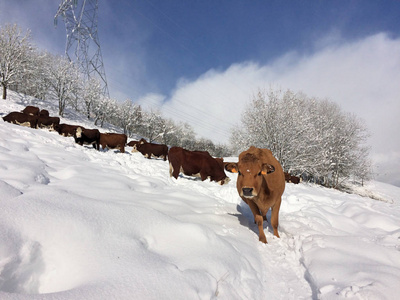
(76, 223)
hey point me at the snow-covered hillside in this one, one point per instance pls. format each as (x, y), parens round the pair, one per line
(76, 223)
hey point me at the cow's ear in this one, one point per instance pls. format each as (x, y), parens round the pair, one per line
(267, 169)
(231, 167)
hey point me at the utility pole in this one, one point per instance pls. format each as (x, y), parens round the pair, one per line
(83, 46)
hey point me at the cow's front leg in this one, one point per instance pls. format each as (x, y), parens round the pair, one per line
(259, 220)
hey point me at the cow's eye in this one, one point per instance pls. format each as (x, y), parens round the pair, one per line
(259, 174)
(239, 173)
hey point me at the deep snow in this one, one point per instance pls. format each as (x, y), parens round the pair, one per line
(76, 223)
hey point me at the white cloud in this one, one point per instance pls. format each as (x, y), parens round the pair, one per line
(151, 100)
(387, 166)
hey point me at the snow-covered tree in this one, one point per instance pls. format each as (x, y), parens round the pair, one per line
(129, 117)
(187, 136)
(136, 120)
(104, 109)
(348, 150)
(91, 92)
(153, 125)
(64, 80)
(15, 49)
(169, 133)
(308, 136)
(34, 81)
(204, 145)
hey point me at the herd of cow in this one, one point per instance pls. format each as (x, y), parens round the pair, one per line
(260, 183)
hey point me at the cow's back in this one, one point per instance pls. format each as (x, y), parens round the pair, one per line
(31, 110)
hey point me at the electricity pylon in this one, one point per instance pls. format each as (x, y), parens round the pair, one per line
(83, 46)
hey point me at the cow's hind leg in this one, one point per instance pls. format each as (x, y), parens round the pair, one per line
(174, 171)
(203, 175)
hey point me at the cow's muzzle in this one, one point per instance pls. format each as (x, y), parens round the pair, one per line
(247, 192)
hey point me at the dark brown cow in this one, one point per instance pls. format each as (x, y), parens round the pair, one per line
(31, 110)
(291, 178)
(66, 129)
(287, 177)
(113, 141)
(133, 143)
(44, 113)
(21, 119)
(88, 137)
(294, 179)
(48, 122)
(151, 149)
(194, 163)
(260, 184)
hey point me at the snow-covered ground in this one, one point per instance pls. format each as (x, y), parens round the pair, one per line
(76, 223)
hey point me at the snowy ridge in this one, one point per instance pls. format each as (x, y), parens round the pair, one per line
(76, 223)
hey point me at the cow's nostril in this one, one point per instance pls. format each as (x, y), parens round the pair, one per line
(247, 191)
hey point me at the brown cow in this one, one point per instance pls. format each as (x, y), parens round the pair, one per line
(22, 119)
(260, 184)
(192, 163)
(66, 129)
(31, 110)
(88, 137)
(48, 122)
(113, 141)
(151, 149)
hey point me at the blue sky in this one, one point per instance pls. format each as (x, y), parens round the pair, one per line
(201, 61)
(188, 38)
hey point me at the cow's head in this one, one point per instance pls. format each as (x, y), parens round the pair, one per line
(78, 132)
(251, 172)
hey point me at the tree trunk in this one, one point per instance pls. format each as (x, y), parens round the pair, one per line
(4, 91)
